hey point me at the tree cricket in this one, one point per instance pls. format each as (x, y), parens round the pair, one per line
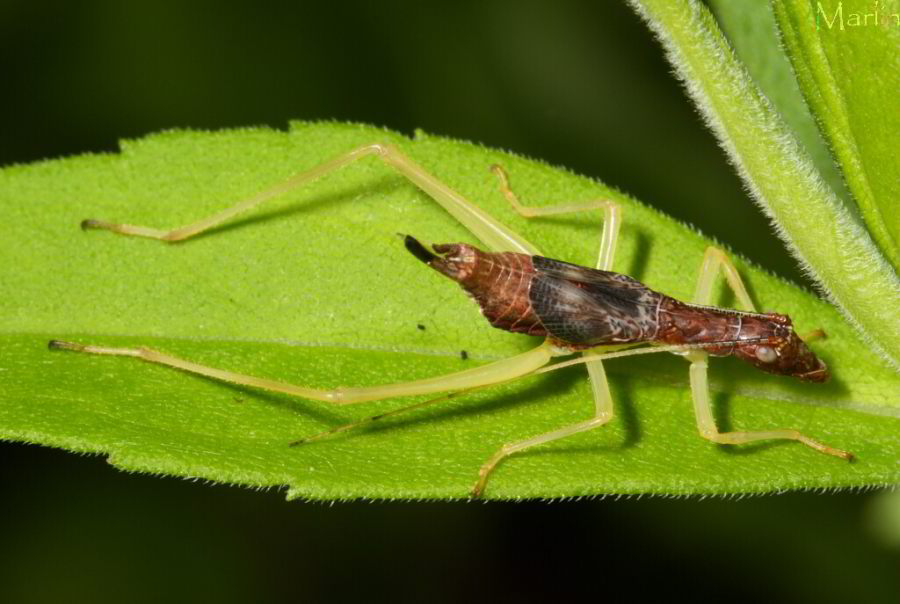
(592, 312)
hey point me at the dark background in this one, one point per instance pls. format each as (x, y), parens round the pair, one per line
(577, 84)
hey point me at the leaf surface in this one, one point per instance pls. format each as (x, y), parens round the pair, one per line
(316, 288)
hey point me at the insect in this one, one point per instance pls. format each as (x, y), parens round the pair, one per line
(578, 310)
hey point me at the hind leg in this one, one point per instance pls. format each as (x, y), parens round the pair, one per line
(499, 371)
(480, 223)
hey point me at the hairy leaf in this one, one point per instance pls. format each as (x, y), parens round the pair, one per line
(753, 33)
(845, 55)
(316, 288)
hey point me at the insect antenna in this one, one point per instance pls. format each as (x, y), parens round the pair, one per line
(815, 334)
(676, 348)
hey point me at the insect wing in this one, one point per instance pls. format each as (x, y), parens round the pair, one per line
(588, 307)
(605, 283)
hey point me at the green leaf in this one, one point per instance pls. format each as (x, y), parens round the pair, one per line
(753, 33)
(807, 215)
(317, 289)
(845, 57)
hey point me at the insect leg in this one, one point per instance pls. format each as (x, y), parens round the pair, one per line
(612, 220)
(414, 407)
(706, 424)
(492, 373)
(603, 412)
(612, 216)
(489, 231)
(713, 260)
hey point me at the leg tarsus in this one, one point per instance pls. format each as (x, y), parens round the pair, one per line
(742, 437)
(104, 350)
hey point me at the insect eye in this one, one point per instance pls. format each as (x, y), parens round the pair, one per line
(766, 354)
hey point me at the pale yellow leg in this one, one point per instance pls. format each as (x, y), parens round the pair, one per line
(706, 424)
(612, 221)
(603, 404)
(399, 411)
(492, 373)
(603, 412)
(489, 231)
(493, 234)
(612, 216)
(713, 260)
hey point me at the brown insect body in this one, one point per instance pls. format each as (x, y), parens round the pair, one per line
(579, 308)
(765, 340)
(499, 282)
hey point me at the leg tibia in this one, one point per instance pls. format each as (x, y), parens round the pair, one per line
(499, 371)
(195, 228)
